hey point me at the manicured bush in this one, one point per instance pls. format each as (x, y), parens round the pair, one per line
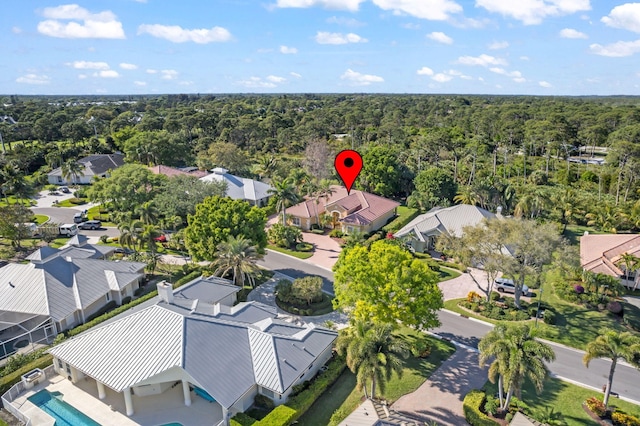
(104, 239)
(280, 416)
(494, 296)
(317, 231)
(596, 406)
(549, 317)
(508, 417)
(126, 300)
(263, 402)
(18, 361)
(471, 408)
(614, 307)
(106, 308)
(336, 233)
(304, 247)
(623, 419)
(242, 419)
(77, 201)
(8, 380)
(296, 389)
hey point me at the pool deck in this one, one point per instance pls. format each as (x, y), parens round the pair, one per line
(154, 410)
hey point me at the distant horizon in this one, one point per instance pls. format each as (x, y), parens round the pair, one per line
(470, 47)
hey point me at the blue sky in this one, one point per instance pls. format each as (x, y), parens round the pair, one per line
(538, 47)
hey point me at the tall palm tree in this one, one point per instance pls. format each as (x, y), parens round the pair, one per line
(13, 180)
(147, 237)
(373, 353)
(71, 169)
(613, 345)
(467, 195)
(148, 213)
(130, 233)
(630, 263)
(239, 257)
(518, 355)
(266, 166)
(284, 193)
(324, 190)
(606, 217)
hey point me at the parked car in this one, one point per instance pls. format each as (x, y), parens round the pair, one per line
(65, 189)
(505, 285)
(79, 218)
(161, 239)
(91, 224)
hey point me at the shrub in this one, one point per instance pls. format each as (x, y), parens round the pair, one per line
(549, 317)
(623, 419)
(491, 405)
(614, 307)
(80, 193)
(336, 233)
(304, 247)
(280, 416)
(578, 288)
(77, 201)
(242, 419)
(126, 300)
(596, 406)
(471, 408)
(106, 308)
(296, 389)
(104, 239)
(263, 402)
(508, 417)
(421, 348)
(473, 297)
(284, 236)
(317, 231)
(494, 296)
(10, 379)
(114, 239)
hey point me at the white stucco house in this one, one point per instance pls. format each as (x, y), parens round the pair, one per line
(239, 188)
(59, 289)
(94, 165)
(193, 338)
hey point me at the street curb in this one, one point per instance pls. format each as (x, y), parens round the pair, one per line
(301, 260)
(469, 318)
(453, 342)
(564, 379)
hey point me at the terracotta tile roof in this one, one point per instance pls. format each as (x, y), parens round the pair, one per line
(601, 253)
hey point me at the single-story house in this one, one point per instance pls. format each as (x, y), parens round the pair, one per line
(224, 354)
(357, 211)
(602, 254)
(421, 233)
(94, 165)
(172, 171)
(59, 289)
(239, 188)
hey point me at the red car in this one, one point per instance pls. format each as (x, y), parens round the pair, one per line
(161, 239)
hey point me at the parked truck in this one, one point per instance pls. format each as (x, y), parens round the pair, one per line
(68, 229)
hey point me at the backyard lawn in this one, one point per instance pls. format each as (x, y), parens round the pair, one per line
(567, 399)
(298, 254)
(344, 396)
(574, 232)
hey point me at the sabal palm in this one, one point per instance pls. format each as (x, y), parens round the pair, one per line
(71, 169)
(606, 218)
(130, 233)
(237, 256)
(467, 195)
(285, 196)
(148, 213)
(12, 179)
(518, 355)
(613, 345)
(147, 237)
(324, 190)
(532, 203)
(373, 353)
(630, 263)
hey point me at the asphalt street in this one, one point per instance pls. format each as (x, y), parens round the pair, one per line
(65, 215)
(568, 364)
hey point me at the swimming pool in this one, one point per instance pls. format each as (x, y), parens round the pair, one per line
(63, 413)
(173, 424)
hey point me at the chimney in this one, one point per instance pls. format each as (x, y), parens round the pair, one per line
(165, 291)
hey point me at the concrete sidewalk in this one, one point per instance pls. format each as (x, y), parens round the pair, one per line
(440, 398)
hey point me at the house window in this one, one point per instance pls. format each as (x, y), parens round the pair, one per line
(59, 179)
(68, 368)
(295, 221)
(60, 366)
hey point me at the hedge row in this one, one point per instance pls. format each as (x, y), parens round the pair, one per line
(242, 419)
(402, 219)
(472, 413)
(280, 416)
(12, 378)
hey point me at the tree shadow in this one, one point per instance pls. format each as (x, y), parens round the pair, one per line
(327, 285)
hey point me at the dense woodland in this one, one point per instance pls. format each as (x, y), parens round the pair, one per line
(492, 151)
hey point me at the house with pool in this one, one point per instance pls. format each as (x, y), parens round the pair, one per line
(190, 358)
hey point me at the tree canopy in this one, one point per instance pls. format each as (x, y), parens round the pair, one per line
(384, 283)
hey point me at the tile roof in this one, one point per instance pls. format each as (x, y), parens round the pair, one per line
(602, 253)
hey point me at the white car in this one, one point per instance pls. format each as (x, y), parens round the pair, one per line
(505, 285)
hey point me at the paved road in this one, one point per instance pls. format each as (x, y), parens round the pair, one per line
(65, 215)
(568, 363)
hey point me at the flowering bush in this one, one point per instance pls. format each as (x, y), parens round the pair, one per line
(390, 236)
(596, 406)
(579, 289)
(624, 419)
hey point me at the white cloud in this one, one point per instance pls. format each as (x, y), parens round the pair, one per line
(532, 12)
(185, 83)
(178, 34)
(94, 25)
(462, 22)
(544, 84)
(350, 5)
(126, 66)
(82, 76)
(276, 79)
(323, 37)
(524, 58)
(482, 60)
(106, 74)
(457, 73)
(571, 33)
(514, 75)
(286, 50)
(497, 45)
(358, 79)
(440, 37)
(347, 22)
(442, 77)
(425, 71)
(617, 49)
(295, 74)
(256, 82)
(625, 16)
(86, 65)
(434, 10)
(16, 30)
(411, 26)
(140, 83)
(169, 74)
(151, 71)
(33, 79)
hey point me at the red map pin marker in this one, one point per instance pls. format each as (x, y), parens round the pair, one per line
(348, 165)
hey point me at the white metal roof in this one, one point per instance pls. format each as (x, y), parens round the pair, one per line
(240, 188)
(451, 219)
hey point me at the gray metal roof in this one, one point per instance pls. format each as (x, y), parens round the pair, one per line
(209, 289)
(42, 253)
(96, 164)
(239, 188)
(450, 219)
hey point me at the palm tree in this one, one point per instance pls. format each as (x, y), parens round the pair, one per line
(606, 217)
(13, 180)
(630, 263)
(284, 193)
(373, 353)
(467, 195)
(613, 345)
(71, 169)
(266, 166)
(324, 190)
(130, 233)
(239, 257)
(518, 355)
(148, 213)
(147, 237)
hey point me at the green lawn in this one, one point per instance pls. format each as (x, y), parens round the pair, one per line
(13, 200)
(574, 232)
(40, 218)
(68, 204)
(343, 396)
(405, 215)
(95, 211)
(448, 274)
(298, 254)
(567, 399)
